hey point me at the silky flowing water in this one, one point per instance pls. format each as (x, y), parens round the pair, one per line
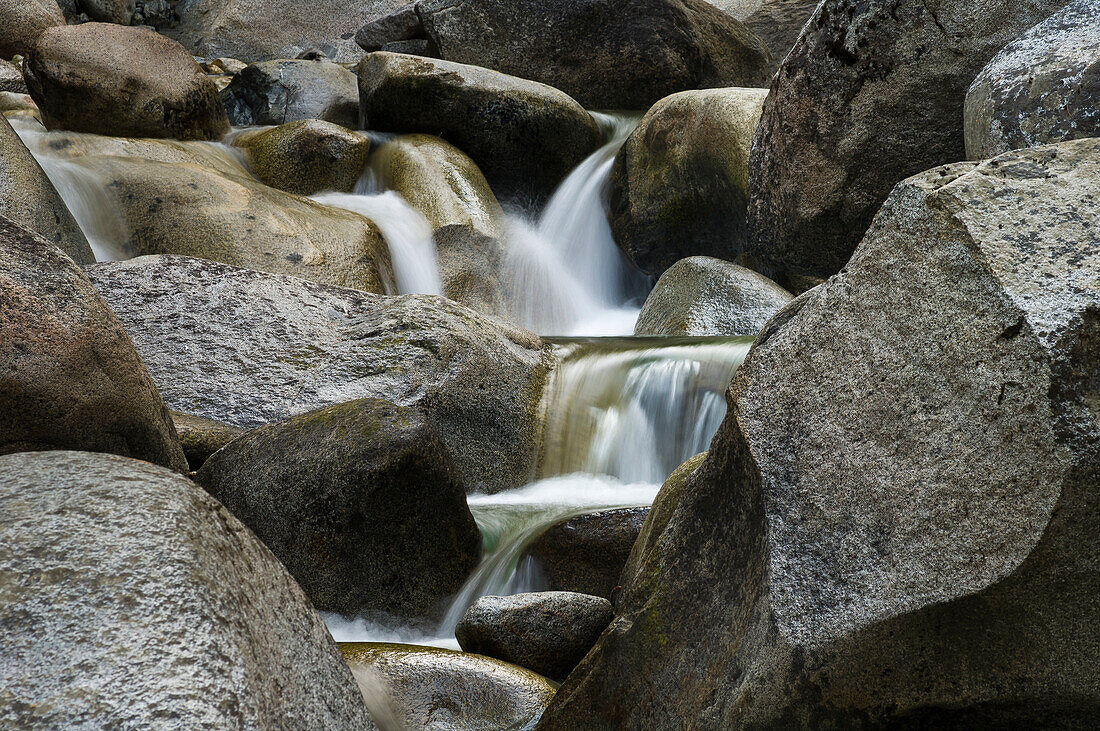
(620, 413)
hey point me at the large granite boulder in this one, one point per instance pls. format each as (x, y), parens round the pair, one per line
(28, 198)
(445, 185)
(109, 11)
(603, 54)
(1043, 87)
(307, 156)
(195, 211)
(897, 525)
(548, 632)
(872, 93)
(69, 376)
(524, 136)
(247, 348)
(133, 599)
(361, 502)
(121, 81)
(586, 554)
(705, 296)
(445, 690)
(679, 183)
(779, 23)
(287, 90)
(201, 437)
(262, 30)
(22, 21)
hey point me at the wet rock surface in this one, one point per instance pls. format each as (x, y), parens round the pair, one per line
(247, 348)
(603, 55)
(193, 211)
(71, 378)
(307, 156)
(1043, 87)
(705, 296)
(287, 90)
(360, 501)
(129, 82)
(131, 595)
(872, 93)
(548, 632)
(429, 687)
(30, 200)
(937, 575)
(586, 554)
(679, 184)
(524, 136)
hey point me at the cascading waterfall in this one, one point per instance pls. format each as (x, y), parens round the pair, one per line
(606, 405)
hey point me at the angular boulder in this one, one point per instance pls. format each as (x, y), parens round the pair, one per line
(262, 30)
(360, 501)
(548, 632)
(872, 93)
(445, 690)
(679, 183)
(69, 376)
(779, 23)
(307, 156)
(586, 554)
(524, 136)
(1043, 87)
(120, 81)
(195, 211)
(131, 597)
(281, 91)
(604, 55)
(247, 348)
(23, 21)
(898, 523)
(705, 296)
(28, 198)
(201, 437)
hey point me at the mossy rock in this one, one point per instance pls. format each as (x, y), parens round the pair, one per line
(307, 156)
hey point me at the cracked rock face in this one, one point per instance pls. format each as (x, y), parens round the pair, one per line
(1043, 87)
(247, 348)
(131, 596)
(897, 525)
(872, 93)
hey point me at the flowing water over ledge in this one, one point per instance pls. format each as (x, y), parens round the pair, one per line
(606, 405)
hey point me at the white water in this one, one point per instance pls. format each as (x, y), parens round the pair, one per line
(406, 232)
(622, 413)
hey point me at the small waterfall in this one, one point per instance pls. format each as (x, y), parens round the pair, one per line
(622, 414)
(567, 274)
(406, 232)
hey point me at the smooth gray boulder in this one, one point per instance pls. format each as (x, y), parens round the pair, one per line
(247, 348)
(287, 90)
(872, 93)
(586, 554)
(705, 296)
(603, 54)
(524, 136)
(69, 376)
(28, 198)
(124, 82)
(1043, 87)
(109, 11)
(446, 690)
(898, 524)
(22, 21)
(779, 23)
(679, 183)
(131, 597)
(548, 632)
(361, 501)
